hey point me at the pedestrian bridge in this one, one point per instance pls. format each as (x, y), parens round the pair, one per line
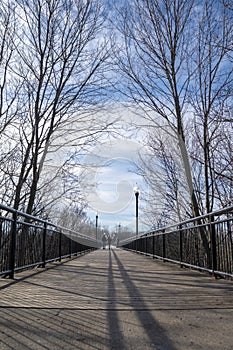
(115, 299)
(166, 289)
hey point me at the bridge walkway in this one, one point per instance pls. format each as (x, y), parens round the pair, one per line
(115, 300)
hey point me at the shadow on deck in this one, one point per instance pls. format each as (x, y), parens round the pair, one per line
(115, 300)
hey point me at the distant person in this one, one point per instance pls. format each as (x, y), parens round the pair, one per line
(109, 241)
(104, 240)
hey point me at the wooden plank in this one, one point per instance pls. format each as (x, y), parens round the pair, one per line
(140, 303)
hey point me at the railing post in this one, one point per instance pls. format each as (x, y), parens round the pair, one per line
(70, 248)
(137, 245)
(44, 245)
(0, 228)
(59, 246)
(0, 222)
(181, 245)
(164, 245)
(213, 244)
(13, 245)
(153, 245)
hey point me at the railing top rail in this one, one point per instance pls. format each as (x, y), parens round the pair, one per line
(167, 229)
(35, 218)
(21, 213)
(76, 233)
(198, 218)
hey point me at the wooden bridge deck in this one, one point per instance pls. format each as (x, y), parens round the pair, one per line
(115, 300)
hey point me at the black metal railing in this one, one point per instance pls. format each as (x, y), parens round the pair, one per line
(203, 243)
(27, 241)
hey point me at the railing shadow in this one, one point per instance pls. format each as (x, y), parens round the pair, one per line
(154, 331)
(27, 329)
(30, 273)
(116, 338)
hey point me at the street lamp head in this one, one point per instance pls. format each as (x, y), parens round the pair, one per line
(136, 190)
(97, 214)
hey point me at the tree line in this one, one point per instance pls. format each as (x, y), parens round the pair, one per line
(177, 65)
(61, 61)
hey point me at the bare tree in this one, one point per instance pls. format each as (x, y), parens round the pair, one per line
(156, 45)
(211, 91)
(61, 61)
(10, 107)
(162, 40)
(167, 200)
(8, 85)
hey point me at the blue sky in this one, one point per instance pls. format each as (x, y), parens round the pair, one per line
(115, 190)
(107, 169)
(113, 181)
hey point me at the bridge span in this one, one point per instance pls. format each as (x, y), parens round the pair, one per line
(115, 299)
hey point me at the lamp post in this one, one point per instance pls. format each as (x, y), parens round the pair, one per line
(96, 225)
(136, 192)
